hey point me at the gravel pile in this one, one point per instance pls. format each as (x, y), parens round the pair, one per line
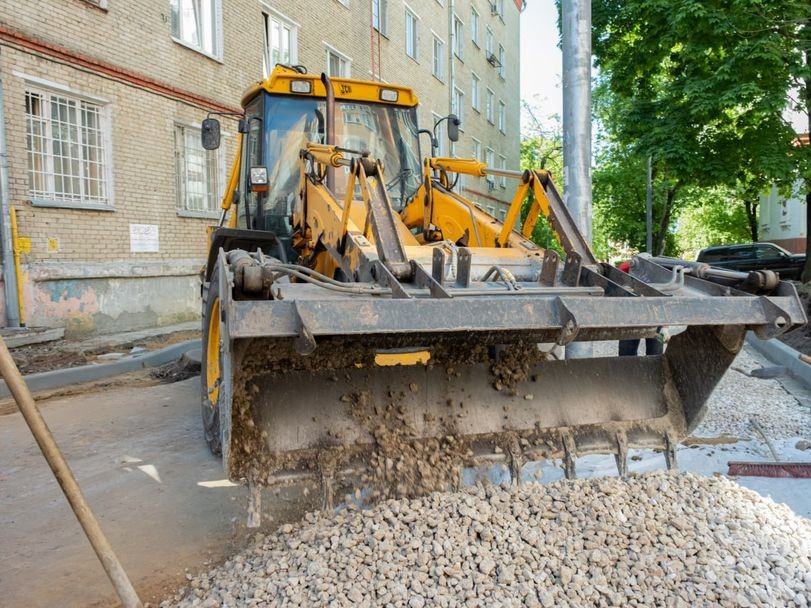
(659, 539)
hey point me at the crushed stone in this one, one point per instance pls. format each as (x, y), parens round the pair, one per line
(659, 539)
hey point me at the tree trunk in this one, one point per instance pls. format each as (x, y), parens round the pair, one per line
(807, 268)
(751, 216)
(664, 222)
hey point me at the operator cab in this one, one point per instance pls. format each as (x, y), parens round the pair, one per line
(287, 111)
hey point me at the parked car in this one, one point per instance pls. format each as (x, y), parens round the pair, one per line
(755, 256)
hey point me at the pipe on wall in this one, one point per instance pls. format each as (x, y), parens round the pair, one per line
(9, 275)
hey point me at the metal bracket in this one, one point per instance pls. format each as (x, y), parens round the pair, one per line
(568, 323)
(778, 323)
(438, 266)
(305, 341)
(549, 269)
(571, 269)
(463, 267)
(425, 280)
(593, 278)
(384, 276)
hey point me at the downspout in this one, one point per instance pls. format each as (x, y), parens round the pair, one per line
(451, 62)
(9, 276)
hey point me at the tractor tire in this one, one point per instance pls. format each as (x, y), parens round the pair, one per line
(211, 366)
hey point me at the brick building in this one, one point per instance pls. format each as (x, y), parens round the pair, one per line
(101, 102)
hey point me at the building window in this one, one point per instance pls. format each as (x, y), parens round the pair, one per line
(99, 3)
(458, 104)
(197, 24)
(498, 6)
(502, 164)
(489, 157)
(281, 42)
(474, 26)
(441, 134)
(411, 34)
(501, 61)
(501, 116)
(502, 215)
(458, 37)
(67, 143)
(380, 16)
(338, 64)
(489, 110)
(197, 172)
(477, 149)
(488, 42)
(439, 58)
(475, 85)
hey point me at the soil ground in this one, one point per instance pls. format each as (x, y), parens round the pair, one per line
(64, 353)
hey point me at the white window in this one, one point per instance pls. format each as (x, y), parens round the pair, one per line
(501, 116)
(198, 24)
(67, 141)
(439, 57)
(458, 104)
(502, 164)
(197, 173)
(489, 158)
(477, 149)
(410, 34)
(281, 42)
(488, 42)
(502, 215)
(474, 26)
(501, 61)
(380, 16)
(441, 134)
(491, 210)
(338, 64)
(458, 37)
(475, 85)
(99, 3)
(489, 110)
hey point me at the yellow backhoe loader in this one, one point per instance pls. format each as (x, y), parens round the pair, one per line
(362, 318)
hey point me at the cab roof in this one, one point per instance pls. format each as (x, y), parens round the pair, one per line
(281, 81)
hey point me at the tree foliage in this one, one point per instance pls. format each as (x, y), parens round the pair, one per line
(702, 88)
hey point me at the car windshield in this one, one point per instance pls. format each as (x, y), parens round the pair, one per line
(388, 133)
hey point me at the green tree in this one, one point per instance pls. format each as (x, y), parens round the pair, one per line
(702, 88)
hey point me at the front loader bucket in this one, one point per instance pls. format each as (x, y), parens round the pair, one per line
(306, 395)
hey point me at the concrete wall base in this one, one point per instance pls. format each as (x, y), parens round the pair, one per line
(782, 354)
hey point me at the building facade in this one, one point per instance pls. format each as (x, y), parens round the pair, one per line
(101, 105)
(782, 221)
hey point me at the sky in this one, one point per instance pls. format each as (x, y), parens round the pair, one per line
(541, 59)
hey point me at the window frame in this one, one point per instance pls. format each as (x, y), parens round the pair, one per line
(459, 102)
(217, 38)
(501, 116)
(442, 135)
(414, 39)
(475, 92)
(474, 26)
(502, 164)
(477, 149)
(42, 87)
(501, 61)
(458, 37)
(269, 13)
(437, 58)
(489, 39)
(219, 154)
(331, 50)
(489, 105)
(382, 17)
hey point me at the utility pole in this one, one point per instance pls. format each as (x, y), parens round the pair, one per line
(576, 43)
(649, 208)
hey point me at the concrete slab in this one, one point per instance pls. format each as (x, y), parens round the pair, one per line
(782, 354)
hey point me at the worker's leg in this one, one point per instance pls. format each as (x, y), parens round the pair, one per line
(653, 346)
(628, 348)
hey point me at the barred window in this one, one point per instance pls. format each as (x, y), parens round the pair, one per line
(197, 172)
(67, 161)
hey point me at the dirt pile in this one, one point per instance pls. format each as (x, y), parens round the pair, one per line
(654, 540)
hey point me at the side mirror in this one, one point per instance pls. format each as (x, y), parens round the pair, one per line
(210, 134)
(453, 127)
